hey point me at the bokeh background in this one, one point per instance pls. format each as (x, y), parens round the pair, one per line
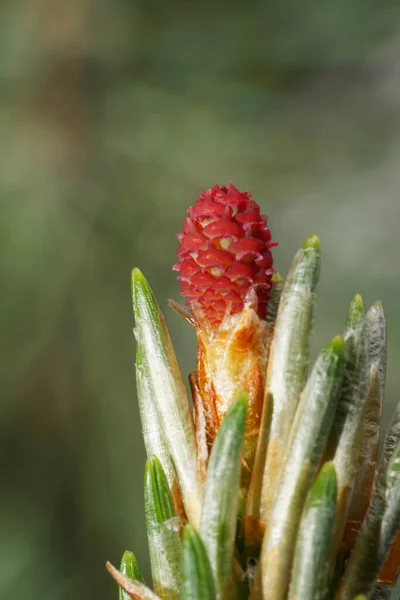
(114, 115)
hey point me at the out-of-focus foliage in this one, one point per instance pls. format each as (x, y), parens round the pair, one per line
(113, 116)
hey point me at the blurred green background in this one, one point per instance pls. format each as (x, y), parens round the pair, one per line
(114, 115)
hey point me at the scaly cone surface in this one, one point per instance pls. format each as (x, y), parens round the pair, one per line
(224, 252)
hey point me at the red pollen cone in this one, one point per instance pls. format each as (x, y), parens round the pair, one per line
(224, 252)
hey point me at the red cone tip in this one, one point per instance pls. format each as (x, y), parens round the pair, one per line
(225, 252)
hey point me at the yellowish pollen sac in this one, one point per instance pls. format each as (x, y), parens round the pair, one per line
(205, 222)
(240, 282)
(225, 242)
